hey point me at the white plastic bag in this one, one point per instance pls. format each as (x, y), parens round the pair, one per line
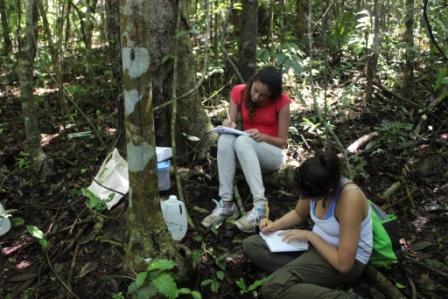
(114, 175)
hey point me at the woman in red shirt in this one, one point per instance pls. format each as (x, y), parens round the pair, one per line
(264, 110)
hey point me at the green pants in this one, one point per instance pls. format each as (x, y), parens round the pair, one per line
(302, 274)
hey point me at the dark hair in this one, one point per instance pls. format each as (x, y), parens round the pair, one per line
(269, 76)
(318, 174)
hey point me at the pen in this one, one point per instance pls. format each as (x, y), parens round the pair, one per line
(228, 115)
(267, 214)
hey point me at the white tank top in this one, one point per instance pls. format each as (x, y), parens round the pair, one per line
(329, 230)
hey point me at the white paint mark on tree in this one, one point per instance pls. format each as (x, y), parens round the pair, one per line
(133, 7)
(135, 61)
(132, 97)
(141, 155)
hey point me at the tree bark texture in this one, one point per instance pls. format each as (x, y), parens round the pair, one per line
(408, 74)
(248, 39)
(113, 35)
(373, 59)
(7, 43)
(191, 118)
(147, 236)
(29, 108)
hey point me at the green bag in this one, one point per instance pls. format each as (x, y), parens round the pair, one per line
(386, 242)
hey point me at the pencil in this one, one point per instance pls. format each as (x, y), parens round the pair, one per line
(228, 115)
(267, 213)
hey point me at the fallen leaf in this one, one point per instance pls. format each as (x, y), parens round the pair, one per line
(89, 267)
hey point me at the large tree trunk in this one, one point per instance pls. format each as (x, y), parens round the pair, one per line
(192, 119)
(147, 235)
(26, 90)
(113, 35)
(248, 39)
(88, 43)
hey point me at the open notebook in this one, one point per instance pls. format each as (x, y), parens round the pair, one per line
(275, 243)
(228, 130)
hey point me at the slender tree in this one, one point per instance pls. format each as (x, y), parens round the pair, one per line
(113, 34)
(408, 74)
(7, 43)
(147, 236)
(373, 59)
(29, 108)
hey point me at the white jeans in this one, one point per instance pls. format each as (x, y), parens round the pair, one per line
(253, 157)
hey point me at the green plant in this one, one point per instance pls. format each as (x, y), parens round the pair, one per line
(396, 135)
(37, 233)
(156, 281)
(357, 164)
(95, 202)
(214, 284)
(252, 287)
(117, 295)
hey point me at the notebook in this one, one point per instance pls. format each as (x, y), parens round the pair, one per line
(275, 243)
(228, 130)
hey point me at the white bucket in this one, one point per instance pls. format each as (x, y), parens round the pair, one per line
(5, 223)
(175, 216)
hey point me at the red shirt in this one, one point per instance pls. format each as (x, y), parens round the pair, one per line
(266, 117)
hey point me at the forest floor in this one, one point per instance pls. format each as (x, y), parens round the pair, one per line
(78, 259)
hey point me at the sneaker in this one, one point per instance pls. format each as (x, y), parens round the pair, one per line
(220, 214)
(251, 220)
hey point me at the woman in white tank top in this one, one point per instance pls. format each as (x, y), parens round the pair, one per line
(340, 242)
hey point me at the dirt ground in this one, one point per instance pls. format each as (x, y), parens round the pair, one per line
(78, 259)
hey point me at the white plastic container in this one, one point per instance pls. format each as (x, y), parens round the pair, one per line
(5, 223)
(163, 153)
(163, 173)
(175, 216)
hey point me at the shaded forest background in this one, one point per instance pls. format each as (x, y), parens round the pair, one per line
(353, 69)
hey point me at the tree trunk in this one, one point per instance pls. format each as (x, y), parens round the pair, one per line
(192, 119)
(373, 59)
(26, 90)
(408, 75)
(248, 39)
(88, 43)
(113, 35)
(147, 236)
(54, 59)
(7, 44)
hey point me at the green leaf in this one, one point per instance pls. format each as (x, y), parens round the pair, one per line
(220, 275)
(161, 265)
(146, 291)
(194, 31)
(17, 221)
(256, 284)
(165, 284)
(141, 277)
(242, 285)
(132, 288)
(400, 286)
(442, 74)
(184, 291)
(206, 282)
(196, 295)
(180, 34)
(215, 286)
(35, 232)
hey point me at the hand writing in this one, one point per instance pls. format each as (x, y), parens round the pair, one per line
(228, 123)
(267, 229)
